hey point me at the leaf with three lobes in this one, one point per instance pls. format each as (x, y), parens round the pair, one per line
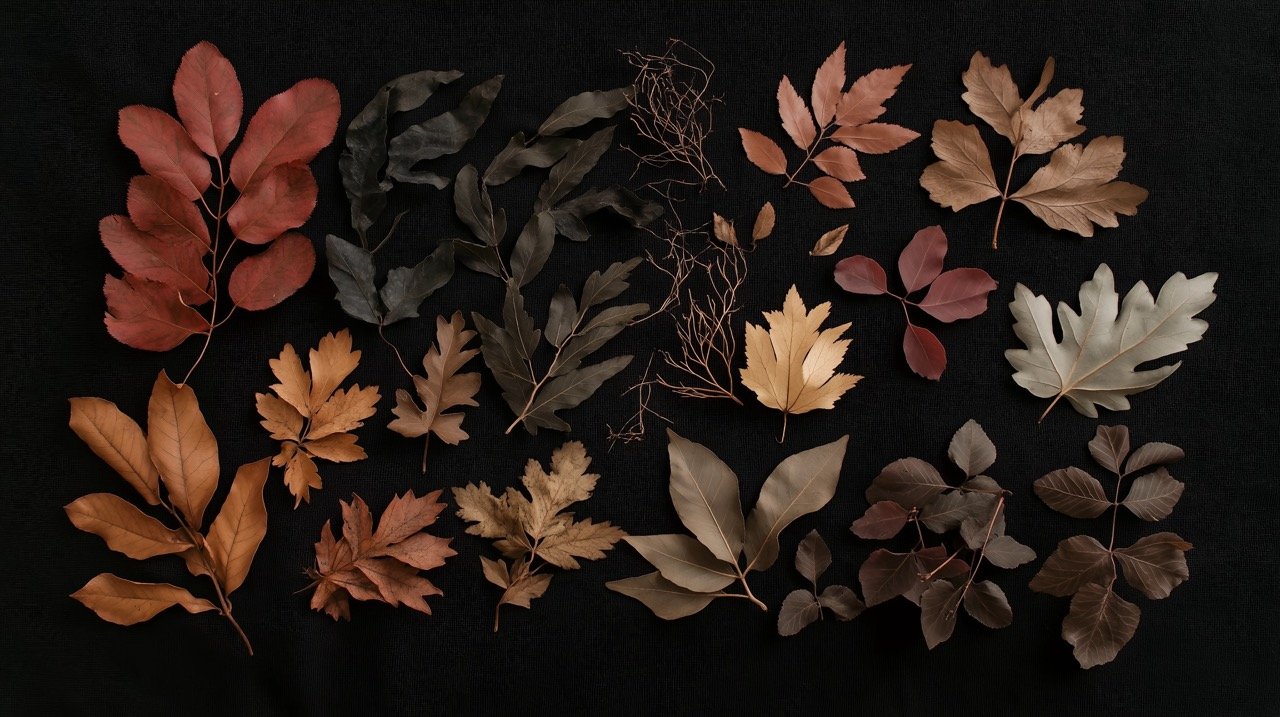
(441, 389)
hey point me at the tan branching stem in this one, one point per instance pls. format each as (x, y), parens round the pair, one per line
(1004, 199)
(206, 561)
(672, 111)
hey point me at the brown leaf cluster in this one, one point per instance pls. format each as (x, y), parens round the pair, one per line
(534, 531)
(381, 564)
(802, 608)
(173, 466)
(941, 578)
(1100, 622)
(844, 120)
(441, 389)
(725, 231)
(1075, 191)
(311, 416)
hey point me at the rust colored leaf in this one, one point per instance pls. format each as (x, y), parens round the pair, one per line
(763, 226)
(234, 536)
(119, 441)
(182, 447)
(763, 152)
(921, 261)
(875, 138)
(292, 126)
(282, 200)
(831, 193)
(269, 277)
(125, 528)
(165, 150)
(179, 265)
(830, 241)
(159, 209)
(841, 163)
(796, 120)
(865, 99)
(828, 86)
(925, 353)
(208, 96)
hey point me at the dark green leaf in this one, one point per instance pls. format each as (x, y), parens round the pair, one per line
(568, 173)
(352, 271)
(568, 391)
(513, 158)
(533, 247)
(362, 161)
(474, 207)
(478, 257)
(407, 287)
(582, 108)
(571, 214)
(561, 316)
(443, 134)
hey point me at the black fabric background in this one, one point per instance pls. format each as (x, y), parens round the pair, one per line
(1190, 86)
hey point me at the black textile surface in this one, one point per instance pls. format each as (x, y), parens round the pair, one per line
(1190, 86)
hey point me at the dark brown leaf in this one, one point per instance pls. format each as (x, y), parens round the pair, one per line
(1099, 624)
(986, 603)
(910, 482)
(886, 575)
(1073, 492)
(799, 610)
(1110, 447)
(1079, 560)
(813, 557)
(841, 601)
(1155, 564)
(1152, 496)
(883, 520)
(971, 450)
(1152, 454)
(938, 608)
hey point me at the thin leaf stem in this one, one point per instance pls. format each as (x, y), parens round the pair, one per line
(791, 178)
(193, 536)
(396, 351)
(215, 265)
(1004, 199)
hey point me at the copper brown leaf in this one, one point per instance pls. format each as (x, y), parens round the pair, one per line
(1099, 624)
(441, 389)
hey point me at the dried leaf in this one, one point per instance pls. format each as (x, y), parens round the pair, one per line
(796, 120)
(1076, 191)
(149, 315)
(829, 242)
(971, 450)
(883, 520)
(763, 152)
(705, 493)
(939, 606)
(874, 138)
(1153, 496)
(813, 557)
(165, 150)
(987, 604)
(519, 153)
(125, 602)
(408, 287)
(991, 94)
(124, 528)
(865, 99)
(381, 565)
(208, 96)
(885, 575)
(234, 536)
(1079, 561)
(265, 279)
(179, 265)
(568, 173)
(1003, 551)
(830, 193)
(1073, 492)
(958, 294)
(583, 108)
(684, 561)
(1153, 454)
(1155, 564)
(352, 271)
(909, 482)
(791, 366)
(963, 176)
(441, 389)
(801, 484)
(313, 399)
(158, 209)
(828, 86)
(842, 601)
(292, 126)
(1099, 624)
(920, 262)
(182, 448)
(282, 200)
(666, 599)
(1096, 362)
(799, 610)
(764, 223)
(118, 441)
(723, 230)
(861, 275)
(440, 135)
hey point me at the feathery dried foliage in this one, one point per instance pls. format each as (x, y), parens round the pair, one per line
(380, 565)
(1100, 622)
(802, 608)
(941, 578)
(311, 416)
(173, 466)
(535, 532)
(672, 111)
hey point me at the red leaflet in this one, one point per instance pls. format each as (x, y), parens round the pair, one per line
(177, 264)
(165, 150)
(953, 295)
(293, 126)
(149, 315)
(157, 208)
(841, 163)
(763, 152)
(264, 280)
(831, 193)
(921, 262)
(925, 353)
(210, 103)
(282, 200)
(861, 275)
(827, 84)
(958, 294)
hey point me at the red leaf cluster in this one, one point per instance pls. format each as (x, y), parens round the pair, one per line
(170, 257)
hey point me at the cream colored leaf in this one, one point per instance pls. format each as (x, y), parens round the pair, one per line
(764, 222)
(991, 94)
(724, 230)
(963, 175)
(1096, 362)
(1075, 190)
(125, 602)
(830, 241)
(549, 493)
(182, 448)
(492, 516)
(241, 525)
(791, 366)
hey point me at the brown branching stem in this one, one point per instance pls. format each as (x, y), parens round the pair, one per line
(206, 561)
(1004, 199)
(216, 261)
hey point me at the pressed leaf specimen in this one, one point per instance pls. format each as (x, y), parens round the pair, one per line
(311, 416)
(1076, 190)
(791, 367)
(802, 608)
(1096, 362)
(725, 547)
(510, 350)
(171, 259)
(830, 241)
(672, 112)
(441, 389)
(1100, 622)
(380, 565)
(173, 466)
(832, 130)
(952, 295)
(535, 531)
(943, 577)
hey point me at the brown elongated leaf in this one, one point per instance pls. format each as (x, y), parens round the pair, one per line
(1155, 564)
(124, 528)
(283, 199)
(440, 135)
(705, 493)
(441, 389)
(208, 96)
(939, 606)
(1078, 561)
(583, 108)
(763, 226)
(1152, 496)
(763, 152)
(568, 173)
(841, 163)
(182, 448)
(1099, 624)
(1076, 191)
(684, 561)
(971, 450)
(986, 603)
(801, 484)
(292, 126)
(149, 315)
(177, 264)
(963, 175)
(1073, 492)
(666, 599)
(1153, 454)
(1096, 363)
(234, 536)
(796, 120)
(799, 610)
(874, 138)
(125, 602)
(829, 242)
(119, 441)
(1109, 447)
(885, 575)
(265, 279)
(830, 192)
(883, 520)
(842, 601)
(165, 150)
(909, 482)
(828, 86)
(813, 557)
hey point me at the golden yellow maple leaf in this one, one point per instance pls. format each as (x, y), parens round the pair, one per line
(791, 366)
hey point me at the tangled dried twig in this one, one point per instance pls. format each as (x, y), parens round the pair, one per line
(672, 109)
(634, 429)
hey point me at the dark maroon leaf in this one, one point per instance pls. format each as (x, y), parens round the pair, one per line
(921, 261)
(909, 482)
(986, 603)
(883, 520)
(861, 275)
(1079, 560)
(925, 353)
(886, 575)
(1099, 624)
(938, 608)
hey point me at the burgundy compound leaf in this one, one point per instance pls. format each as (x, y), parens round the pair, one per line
(958, 294)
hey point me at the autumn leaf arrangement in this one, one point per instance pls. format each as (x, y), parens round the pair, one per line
(802, 608)
(173, 260)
